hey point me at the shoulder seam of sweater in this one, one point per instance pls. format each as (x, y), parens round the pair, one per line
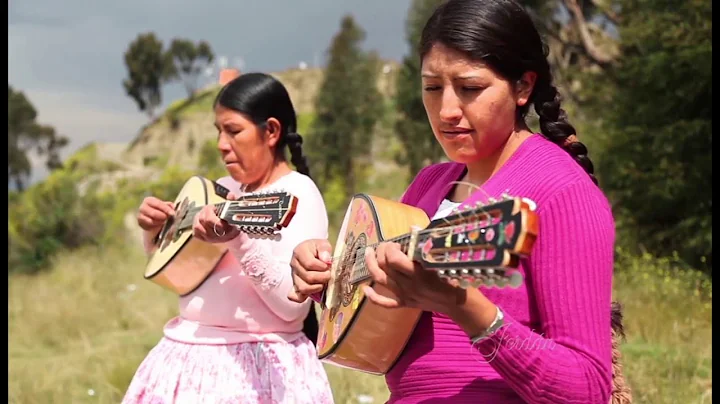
(558, 193)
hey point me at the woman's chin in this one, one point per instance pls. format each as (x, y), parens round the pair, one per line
(234, 170)
(463, 155)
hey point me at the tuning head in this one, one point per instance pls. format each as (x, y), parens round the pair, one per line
(261, 213)
(481, 244)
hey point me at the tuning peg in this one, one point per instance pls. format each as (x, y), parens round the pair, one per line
(516, 279)
(462, 209)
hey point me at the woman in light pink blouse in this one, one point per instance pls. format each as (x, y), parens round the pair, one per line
(238, 339)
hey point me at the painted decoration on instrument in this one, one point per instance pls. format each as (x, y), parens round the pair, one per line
(362, 214)
(370, 230)
(509, 231)
(337, 327)
(489, 235)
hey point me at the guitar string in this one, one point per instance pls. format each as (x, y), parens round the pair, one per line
(231, 211)
(403, 243)
(480, 206)
(452, 226)
(444, 219)
(402, 240)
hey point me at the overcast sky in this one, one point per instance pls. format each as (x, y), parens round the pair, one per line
(67, 56)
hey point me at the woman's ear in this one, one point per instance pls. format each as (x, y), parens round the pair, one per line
(272, 132)
(524, 88)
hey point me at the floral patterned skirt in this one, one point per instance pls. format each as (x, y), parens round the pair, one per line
(253, 372)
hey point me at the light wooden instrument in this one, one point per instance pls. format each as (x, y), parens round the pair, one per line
(480, 245)
(181, 262)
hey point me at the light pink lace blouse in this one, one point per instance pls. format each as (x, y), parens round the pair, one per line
(245, 299)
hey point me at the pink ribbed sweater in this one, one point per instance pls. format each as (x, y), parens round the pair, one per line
(555, 347)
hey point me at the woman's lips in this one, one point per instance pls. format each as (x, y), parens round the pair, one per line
(454, 134)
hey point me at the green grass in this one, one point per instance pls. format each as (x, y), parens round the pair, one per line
(668, 354)
(201, 102)
(77, 333)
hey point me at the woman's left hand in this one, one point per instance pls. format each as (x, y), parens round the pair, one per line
(411, 285)
(207, 226)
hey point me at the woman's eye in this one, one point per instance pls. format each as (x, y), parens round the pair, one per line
(431, 88)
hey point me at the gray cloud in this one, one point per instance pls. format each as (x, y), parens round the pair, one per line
(67, 56)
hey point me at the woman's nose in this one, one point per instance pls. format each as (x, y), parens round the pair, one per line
(223, 143)
(450, 110)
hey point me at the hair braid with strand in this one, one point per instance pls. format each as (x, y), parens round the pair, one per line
(554, 125)
(294, 143)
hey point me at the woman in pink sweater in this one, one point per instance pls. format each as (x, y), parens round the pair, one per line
(483, 65)
(238, 339)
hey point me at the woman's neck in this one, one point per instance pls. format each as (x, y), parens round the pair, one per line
(479, 172)
(278, 169)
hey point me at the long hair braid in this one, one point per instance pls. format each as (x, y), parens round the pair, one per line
(555, 126)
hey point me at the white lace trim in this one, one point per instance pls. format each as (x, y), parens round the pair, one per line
(256, 263)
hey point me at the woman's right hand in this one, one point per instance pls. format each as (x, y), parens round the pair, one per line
(153, 213)
(310, 263)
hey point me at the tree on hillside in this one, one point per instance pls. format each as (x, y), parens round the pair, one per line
(347, 107)
(581, 38)
(657, 165)
(26, 135)
(187, 61)
(412, 126)
(148, 68)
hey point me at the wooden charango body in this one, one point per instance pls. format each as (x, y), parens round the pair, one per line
(180, 262)
(478, 245)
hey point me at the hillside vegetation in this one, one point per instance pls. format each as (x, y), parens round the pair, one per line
(178, 136)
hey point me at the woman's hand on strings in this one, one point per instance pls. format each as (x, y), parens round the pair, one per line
(207, 226)
(153, 213)
(408, 284)
(310, 263)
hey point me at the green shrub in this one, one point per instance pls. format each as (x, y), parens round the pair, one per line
(48, 217)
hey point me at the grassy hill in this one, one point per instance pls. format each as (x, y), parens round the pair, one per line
(78, 330)
(177, 137)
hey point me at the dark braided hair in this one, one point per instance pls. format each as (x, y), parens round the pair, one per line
(294, 142)
(501, 34)
(555, 126)
(260, 96)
